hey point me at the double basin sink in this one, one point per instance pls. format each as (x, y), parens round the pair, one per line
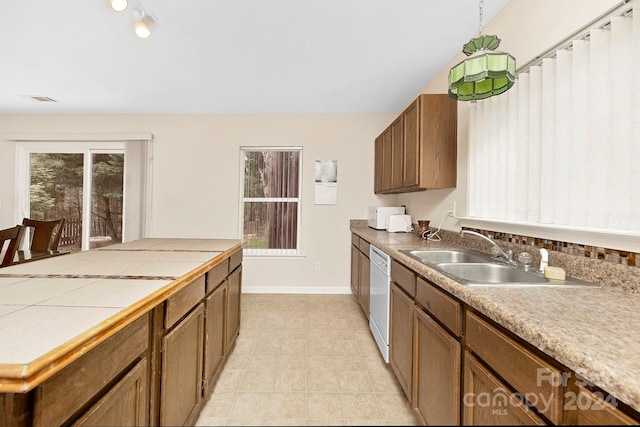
(474, 268)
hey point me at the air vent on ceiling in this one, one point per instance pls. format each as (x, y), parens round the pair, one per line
(43, 99)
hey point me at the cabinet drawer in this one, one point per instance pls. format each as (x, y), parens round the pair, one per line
(444, 308)
(594, 409)
(527, 373)
(184, 301)
(235, 260)
(404, 277)
(355, 240)
(217, 274)
(65, 393)
(364, 247)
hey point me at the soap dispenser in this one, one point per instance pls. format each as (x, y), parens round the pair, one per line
(544, 259)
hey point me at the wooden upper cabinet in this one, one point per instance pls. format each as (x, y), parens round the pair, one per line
(386, 160)
(426, 158)
(438, 136)
(397, 153)
(410, 175)
(377, 169)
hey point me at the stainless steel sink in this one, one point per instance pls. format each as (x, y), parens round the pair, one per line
(474, 268)
(447, 255)
(495, 274)
(490, 273)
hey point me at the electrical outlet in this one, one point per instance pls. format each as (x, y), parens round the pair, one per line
(452, 209)
(316, 267)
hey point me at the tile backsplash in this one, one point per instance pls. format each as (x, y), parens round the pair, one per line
(612, 255)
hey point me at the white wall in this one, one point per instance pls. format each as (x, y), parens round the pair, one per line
(526, 28)
(196, 181)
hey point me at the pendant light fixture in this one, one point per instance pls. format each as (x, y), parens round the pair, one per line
(485, 72)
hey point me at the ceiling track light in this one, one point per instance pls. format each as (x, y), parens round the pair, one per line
(118, 5)
(142, 23)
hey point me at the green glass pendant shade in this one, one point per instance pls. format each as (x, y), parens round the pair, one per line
(484, 73)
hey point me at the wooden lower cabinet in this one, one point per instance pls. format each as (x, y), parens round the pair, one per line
(488, 401)
(401, 337)
(458, 367)
(364, 280)
(215, 338)
(234, 283)
(69, 394)
(436, 370)
(156, 370)
(125, 404)
(181, 381)
(360, 272)
(355, 271)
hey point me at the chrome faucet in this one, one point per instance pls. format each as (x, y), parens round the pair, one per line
(508, 255)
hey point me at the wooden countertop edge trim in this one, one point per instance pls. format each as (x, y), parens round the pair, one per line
(17, 378)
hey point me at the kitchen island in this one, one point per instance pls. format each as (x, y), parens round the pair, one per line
(587, 334)
(129, 334)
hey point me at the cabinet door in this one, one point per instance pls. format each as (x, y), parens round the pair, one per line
(401, 337)
(214, 339)
(387, 151)
(181, 383)
(436, 372)
(397, 153)
(364, 282)
(438, 125)
(355, 272)
(233, 307)
(125, 404)
(487, 401)
(411, 167)
(377, 166)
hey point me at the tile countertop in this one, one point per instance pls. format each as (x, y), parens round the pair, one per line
(59, 308)
(592, 331)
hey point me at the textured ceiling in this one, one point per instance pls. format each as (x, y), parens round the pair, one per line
(234, 56)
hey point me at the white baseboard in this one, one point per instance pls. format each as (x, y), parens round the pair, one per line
(296, 290)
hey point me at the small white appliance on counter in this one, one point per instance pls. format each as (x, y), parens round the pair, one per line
(378, 216)
(399, 224)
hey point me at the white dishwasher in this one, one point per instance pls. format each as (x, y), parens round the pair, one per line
(380, 280)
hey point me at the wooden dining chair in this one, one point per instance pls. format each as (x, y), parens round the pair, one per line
(14, 236)
(43, 235)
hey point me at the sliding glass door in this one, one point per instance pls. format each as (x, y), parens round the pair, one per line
(82, 183)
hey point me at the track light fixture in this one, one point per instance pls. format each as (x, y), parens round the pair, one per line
(142, 24)
(142, 16)
(119, 5)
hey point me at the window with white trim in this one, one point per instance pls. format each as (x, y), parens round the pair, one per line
(560, 148)
(270, 194)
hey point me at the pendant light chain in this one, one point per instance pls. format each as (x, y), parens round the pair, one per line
(481, 15)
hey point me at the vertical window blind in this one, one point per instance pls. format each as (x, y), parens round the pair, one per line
(271, 200)
(561, 147)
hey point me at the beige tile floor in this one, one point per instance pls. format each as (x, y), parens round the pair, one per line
(305, 360)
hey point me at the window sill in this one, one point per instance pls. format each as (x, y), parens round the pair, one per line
(614, 239)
